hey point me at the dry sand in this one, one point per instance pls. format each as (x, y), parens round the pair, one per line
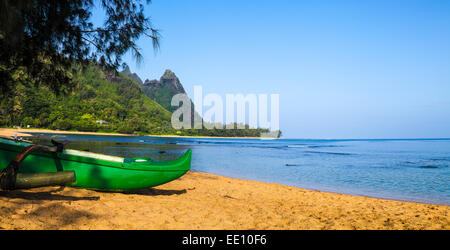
(23, 132)
(10, 133)
(204, 201)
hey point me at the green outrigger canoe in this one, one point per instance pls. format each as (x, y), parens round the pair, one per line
(91, 171)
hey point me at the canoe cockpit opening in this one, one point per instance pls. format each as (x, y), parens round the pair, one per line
(125, 161)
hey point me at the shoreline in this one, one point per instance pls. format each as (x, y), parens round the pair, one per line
(211, 202)
(202, 201)
(8, 132)
(24, 132)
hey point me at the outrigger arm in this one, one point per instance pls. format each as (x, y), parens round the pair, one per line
(11, 179)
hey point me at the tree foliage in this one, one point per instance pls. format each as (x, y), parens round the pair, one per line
(98, 95)
(41, 39)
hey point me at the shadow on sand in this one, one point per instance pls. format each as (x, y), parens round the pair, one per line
(149, 192)
(51, 196)
(44, 196)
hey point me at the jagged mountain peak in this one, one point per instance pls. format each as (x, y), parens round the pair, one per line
(169, 74)
(167, 81)
(127, 72)
(164, 89)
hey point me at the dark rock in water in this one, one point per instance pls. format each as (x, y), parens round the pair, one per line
(429, 166)
(162, 152)
(292, 165)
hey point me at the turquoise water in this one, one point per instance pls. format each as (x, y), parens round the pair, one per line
(411, 170)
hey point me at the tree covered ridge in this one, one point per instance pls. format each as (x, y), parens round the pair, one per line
(98, 95)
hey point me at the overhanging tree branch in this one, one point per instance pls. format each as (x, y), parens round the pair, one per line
(62, 32)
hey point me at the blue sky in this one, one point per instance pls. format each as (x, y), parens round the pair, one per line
(343, 69)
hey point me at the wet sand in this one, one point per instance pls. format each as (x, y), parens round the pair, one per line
(205, 201)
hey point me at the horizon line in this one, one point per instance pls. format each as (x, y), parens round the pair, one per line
(431, 138)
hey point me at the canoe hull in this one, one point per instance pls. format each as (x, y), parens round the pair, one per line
(99, 174)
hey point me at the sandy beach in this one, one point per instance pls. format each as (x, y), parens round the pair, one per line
(26, 132)
(205, 201)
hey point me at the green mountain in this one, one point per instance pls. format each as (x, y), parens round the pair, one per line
(162, 91)
(101, 101)
(169, 85)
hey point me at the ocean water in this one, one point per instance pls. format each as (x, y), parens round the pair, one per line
(410, 170)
